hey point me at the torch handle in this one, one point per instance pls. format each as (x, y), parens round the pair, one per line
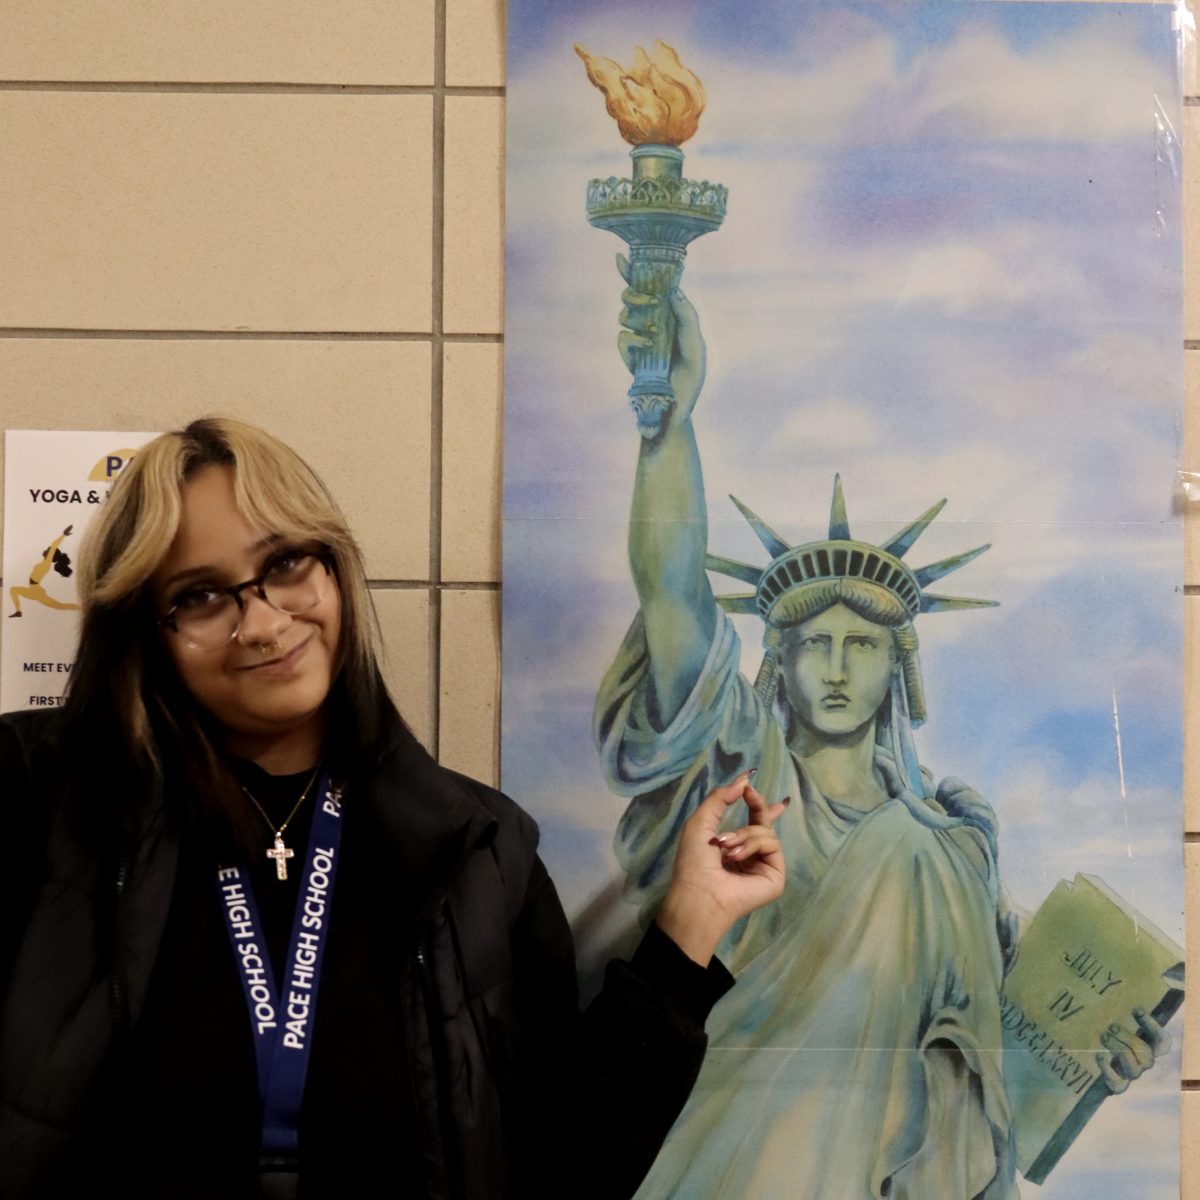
(654, 271)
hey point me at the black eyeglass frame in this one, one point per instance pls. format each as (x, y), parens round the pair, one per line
(323, 555)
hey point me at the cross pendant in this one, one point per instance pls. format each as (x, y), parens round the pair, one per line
(280, 854)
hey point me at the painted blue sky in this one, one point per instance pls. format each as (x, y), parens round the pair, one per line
(803, 34)
(951, 267)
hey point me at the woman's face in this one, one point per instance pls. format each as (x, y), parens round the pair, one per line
(271, 681)
(837, 669)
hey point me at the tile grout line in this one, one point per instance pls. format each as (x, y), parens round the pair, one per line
(243, 335)
(437, 375)
(497, 730)
(445, 585)
(248, 89)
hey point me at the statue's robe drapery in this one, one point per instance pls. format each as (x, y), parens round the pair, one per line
(858, 1055)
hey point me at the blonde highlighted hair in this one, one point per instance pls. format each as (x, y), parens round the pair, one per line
(121, 662)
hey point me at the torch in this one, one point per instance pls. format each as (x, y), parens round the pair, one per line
(657, 105)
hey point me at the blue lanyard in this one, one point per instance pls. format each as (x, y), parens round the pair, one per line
(282, 1023)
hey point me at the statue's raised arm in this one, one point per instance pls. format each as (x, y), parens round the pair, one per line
(668, 522)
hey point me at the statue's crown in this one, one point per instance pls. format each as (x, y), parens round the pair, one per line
(841, 556)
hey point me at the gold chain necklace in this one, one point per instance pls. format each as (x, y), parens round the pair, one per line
(279, 851)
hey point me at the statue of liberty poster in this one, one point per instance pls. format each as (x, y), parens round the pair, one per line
(843, 363)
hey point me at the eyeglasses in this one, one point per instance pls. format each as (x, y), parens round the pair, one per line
(208, 617)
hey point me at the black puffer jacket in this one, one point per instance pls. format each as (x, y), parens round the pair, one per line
(517, 1093)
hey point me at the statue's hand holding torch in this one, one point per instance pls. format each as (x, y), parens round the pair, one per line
(657, 104)
(641, 322)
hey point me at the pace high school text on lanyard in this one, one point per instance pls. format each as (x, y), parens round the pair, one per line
(282, 1019)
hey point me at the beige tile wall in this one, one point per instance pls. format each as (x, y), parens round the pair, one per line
(293, 211)
(289, 212)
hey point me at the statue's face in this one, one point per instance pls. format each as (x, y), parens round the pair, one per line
(836, 670)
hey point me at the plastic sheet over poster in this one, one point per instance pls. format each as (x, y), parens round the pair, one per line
(940, 316)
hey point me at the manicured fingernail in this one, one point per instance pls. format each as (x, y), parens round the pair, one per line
(751, 773)
(720, 839)
(786, 800)
(733, 852)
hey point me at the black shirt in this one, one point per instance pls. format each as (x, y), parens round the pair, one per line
(189, 1110)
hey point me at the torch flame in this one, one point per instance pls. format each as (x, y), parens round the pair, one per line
(657, 100)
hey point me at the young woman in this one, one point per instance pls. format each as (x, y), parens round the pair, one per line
(256, 939)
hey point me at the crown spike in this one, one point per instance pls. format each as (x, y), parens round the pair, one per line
(743, 602)
(937, 570)
(839, 526)
(737, 570)
(950, 603)
(772, 542)
(900, 543)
